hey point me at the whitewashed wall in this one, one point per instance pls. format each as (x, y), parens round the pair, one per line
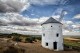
(50, 35)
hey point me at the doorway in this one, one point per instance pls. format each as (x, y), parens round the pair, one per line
(55, 45)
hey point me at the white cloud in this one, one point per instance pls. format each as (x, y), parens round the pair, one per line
(69, 22)
(76, 27)
(16, 19)
(16, 23)
(21, 29)
(67, 25)
(77, 16)
(42, 19)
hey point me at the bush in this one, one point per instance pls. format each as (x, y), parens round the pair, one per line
(29, 39)
(16, 39)
(38, 38)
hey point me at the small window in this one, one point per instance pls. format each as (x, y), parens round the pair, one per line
(46, 44)
(57, 35)
(43, 34)
(51, 26)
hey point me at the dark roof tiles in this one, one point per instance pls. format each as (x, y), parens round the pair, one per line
(51, 20)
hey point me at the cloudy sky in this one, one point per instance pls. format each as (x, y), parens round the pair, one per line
(25, 16)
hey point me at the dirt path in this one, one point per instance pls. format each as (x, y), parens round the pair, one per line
(37, 48)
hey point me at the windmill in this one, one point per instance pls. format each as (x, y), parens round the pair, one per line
(63, 13)
(60, 11)
(59, 14)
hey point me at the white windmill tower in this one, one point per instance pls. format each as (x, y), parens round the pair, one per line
(52, 34)
(52, 37)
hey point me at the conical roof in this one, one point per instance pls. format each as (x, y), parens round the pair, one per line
(51, 20)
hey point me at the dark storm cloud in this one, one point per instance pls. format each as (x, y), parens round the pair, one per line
(2, 24)
(22, 23)
(11, 6)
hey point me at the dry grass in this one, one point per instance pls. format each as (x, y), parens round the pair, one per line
(9, 47)
(30, 48)
(37, 48)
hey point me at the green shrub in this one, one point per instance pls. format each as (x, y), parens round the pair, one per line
(29, 39)
(38, 38)
(16, 39)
